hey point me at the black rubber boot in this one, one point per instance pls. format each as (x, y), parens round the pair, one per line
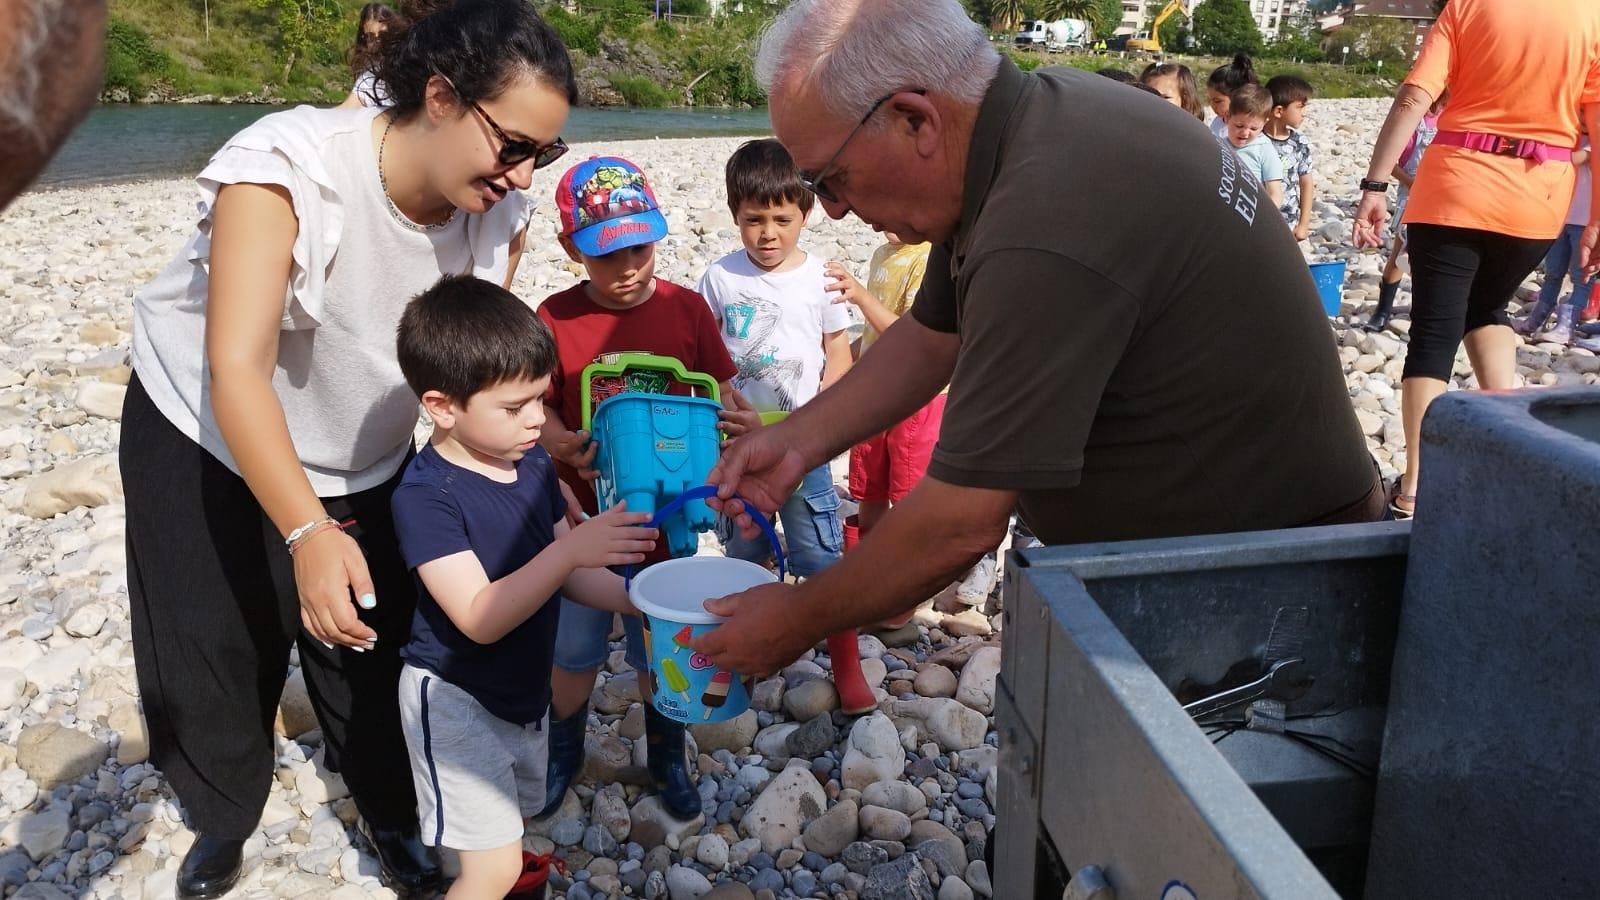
(566, 757)
(409, 867)
(668, 759)
(210, 868)
(1380, 316)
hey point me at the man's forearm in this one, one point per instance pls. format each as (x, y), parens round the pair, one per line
(916, 550)
(908, 366)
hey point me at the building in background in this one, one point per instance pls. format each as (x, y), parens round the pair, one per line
(1418, 15)
(1270, 15)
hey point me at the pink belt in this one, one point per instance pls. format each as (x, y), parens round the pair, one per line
(1500, 145)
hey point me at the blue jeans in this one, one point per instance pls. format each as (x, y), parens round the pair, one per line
(811, 528)
(1558, 264)
(581, 638)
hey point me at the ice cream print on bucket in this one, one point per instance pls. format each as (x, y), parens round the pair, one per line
(685, 685)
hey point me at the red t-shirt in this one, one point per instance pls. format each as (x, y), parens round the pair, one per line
(674, 322)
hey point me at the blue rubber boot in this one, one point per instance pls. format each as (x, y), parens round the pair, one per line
(668, 759)
(566, 757)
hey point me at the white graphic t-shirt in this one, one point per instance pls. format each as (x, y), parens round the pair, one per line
(773, 326)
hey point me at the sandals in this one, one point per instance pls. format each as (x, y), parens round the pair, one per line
(1408, 510)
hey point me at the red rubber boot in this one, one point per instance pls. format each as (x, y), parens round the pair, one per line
(855, 697)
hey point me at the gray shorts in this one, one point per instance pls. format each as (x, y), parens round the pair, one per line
(477, 775)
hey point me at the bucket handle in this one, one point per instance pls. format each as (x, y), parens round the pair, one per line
(703, 492)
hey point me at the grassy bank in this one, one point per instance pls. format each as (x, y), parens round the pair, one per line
(163, 50)
(1332, 82)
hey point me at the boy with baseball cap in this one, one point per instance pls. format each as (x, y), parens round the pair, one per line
(610, 222)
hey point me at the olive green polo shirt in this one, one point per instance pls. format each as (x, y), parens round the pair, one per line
(1143, 353)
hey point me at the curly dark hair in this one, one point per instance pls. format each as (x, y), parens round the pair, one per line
(364, 52)
(479, 45)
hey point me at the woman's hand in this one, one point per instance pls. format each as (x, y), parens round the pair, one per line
(1589, 251)
(575, 449)
(1371, 216)
(328, 566)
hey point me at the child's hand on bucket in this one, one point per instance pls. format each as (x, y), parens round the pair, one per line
(576, 449)
(616, 537)
(737, 415)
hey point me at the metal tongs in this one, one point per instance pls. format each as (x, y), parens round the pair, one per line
(1286, 679)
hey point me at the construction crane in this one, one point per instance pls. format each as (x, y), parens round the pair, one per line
(1150, 41)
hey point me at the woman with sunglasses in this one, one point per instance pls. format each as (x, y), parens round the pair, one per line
(267, 421)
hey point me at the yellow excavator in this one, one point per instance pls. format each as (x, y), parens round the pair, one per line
(1150, 41)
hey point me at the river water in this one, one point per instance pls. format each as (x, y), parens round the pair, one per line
(128, 142)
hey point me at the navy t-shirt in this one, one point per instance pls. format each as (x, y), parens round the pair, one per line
(441, 509)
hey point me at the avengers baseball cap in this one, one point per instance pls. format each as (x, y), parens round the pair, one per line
(606, 204)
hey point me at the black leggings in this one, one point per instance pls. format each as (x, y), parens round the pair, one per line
(1461, 280)
(215, 611)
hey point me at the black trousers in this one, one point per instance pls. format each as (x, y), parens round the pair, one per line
(215, 611)
(1461, 280)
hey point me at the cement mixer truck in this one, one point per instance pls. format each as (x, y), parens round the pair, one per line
(1055, 35)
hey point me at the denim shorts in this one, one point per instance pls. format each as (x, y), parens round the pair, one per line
(581, 638)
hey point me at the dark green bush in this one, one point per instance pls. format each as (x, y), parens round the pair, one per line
(577, 32)
(638, 90)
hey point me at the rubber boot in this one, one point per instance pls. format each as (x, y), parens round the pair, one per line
(1533, 322)
(668, 759)
(566, 757)
(1380, 316)
(855, 697)
(1562, 332)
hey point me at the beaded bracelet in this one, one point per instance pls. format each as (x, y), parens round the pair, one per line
(320, 528)
(305, 531)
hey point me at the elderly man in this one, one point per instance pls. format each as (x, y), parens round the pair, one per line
(50, 71)
(1133, 344)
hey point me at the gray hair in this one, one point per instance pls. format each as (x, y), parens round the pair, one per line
(855, 51)
(20, 83)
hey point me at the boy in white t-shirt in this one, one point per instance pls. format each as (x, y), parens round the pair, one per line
(787, 337)
(788, 340)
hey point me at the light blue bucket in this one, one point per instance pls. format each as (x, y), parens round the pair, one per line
(1329, 277)
(684, 685)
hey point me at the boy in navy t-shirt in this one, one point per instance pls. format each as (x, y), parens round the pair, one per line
(483, 523)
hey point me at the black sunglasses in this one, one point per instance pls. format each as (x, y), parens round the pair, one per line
(514, 151)
(817, 184)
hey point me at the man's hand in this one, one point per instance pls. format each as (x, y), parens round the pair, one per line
(766, 629)
(762, 467)
(613, 538)
(1371, 216)
(576, 449)
(845, 285)
(737, 415)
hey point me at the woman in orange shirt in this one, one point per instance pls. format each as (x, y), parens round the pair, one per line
(1492, 193)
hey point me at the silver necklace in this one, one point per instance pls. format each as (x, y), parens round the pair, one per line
(399, 216)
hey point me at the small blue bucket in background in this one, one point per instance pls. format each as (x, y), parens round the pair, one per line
(1329, 277)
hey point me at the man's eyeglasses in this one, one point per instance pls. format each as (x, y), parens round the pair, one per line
(818, 183)
(514, 151)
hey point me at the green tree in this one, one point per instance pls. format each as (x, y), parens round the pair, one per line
(1225, 27)
(1006, 15)
(1110, 18)
(305, 27)
(1376, 39)
(1299, 39)
(1174, 34)
(1092, 12)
